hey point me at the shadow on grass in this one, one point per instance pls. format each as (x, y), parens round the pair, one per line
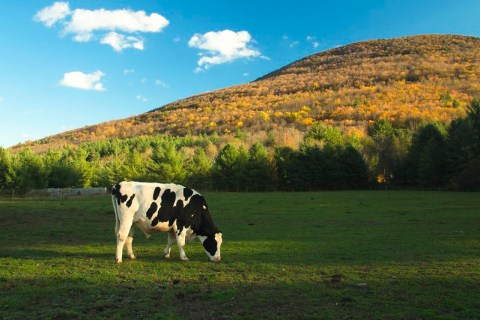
(122, 296)
(38, 254)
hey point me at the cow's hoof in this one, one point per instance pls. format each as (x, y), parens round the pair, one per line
(119, 261)
(133, 257)
(166, 255)
(184, 258)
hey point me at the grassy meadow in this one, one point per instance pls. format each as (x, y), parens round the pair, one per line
(315, 255)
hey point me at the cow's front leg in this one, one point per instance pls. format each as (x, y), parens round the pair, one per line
(129, 244)
(170, 242)
(181, 244)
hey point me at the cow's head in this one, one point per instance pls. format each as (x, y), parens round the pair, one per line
(212, 245)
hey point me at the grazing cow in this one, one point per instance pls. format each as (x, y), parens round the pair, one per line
(180, 211)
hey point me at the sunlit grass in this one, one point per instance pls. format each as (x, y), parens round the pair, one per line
(328, 255)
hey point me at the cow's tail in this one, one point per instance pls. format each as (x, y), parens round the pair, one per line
(115, 208)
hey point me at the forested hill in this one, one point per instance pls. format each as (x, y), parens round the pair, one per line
(406, 81)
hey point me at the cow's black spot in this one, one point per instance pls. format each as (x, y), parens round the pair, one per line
(116, 189)
(180, 216)
(129, 202)
(153, 208)
(123, 198)
(155, 221)
(166, 211)
(210, 245)
(187, 193)
(156, 193)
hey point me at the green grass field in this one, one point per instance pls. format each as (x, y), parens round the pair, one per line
(318, 255)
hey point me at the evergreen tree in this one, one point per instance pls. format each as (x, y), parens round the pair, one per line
(463, 147)
(354, 171)
(199, 169)
(31, 171)
(425, 162)
(60, 173)
(383, 151)
(291, 171)
(314, 165)
(259, 169)
(230, 168)
(7, 172)
(167, 164)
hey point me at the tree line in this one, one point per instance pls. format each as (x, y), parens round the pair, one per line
(434, 155)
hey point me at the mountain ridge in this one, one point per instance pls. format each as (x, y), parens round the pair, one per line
(404, 80)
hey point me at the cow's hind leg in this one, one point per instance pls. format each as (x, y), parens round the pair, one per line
(170, 241)
(129, 243)
(181, 245)
(122, 236)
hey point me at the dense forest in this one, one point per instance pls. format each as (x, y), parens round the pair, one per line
(433, 155)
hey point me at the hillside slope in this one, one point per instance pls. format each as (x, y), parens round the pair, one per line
(406, 81)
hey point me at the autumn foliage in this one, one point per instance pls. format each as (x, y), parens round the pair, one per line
(407, 81)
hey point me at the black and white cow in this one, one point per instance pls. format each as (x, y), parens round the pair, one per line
(180, 211)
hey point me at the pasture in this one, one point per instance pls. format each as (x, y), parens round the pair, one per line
(314, 255)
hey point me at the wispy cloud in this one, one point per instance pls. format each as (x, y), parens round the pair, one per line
(309, 39)
(84, 81)
(222, 46)
(119, 29)
(294, 44)
(313, 41)
(142, 98)
(162, 84)
(119, 42)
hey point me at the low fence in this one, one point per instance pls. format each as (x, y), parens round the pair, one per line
(65, 192)
(54, 193)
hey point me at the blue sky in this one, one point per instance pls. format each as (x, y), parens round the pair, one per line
(68, 64)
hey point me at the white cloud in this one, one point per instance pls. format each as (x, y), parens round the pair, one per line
(119, 42)
(51, 15)
(128, 71)
(85, 81)
(88, 21)
(162, 84)
(222, 46)
(142, 98)
(83, 37)
(110, 27)
(294, 44)
(313, 41)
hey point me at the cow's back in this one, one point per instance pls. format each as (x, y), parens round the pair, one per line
(151, 203)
